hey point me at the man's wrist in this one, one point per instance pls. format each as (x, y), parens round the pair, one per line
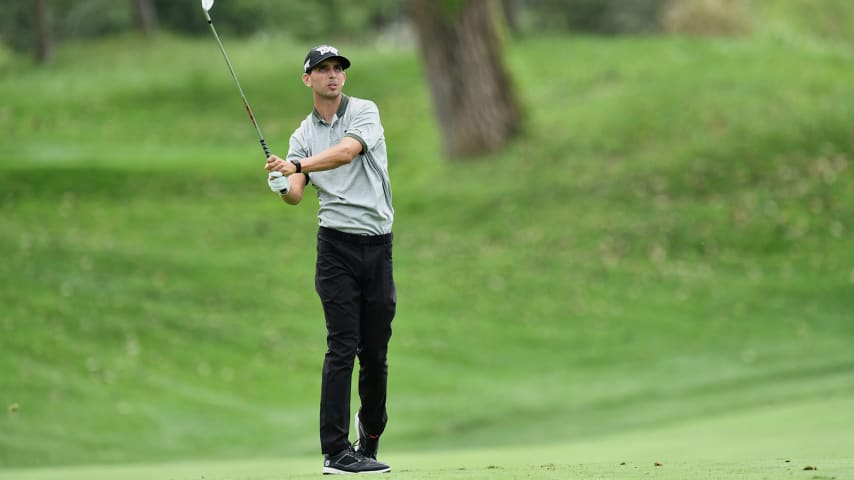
(297, 164)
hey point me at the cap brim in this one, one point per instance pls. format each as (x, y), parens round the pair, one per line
(345, 62)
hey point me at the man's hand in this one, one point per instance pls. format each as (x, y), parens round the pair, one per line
(279, 183)
(277, 164)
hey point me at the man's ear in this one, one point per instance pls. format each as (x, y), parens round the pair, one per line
(306, 79)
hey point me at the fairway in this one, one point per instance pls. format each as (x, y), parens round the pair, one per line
(806, 440)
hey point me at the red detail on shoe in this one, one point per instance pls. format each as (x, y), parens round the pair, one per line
(373, 437)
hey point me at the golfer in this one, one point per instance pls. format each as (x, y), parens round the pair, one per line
(340, 149)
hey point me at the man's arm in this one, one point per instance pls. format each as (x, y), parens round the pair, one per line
(335, 156)
(294, 195)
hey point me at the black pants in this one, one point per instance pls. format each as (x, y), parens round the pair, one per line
(355, 283)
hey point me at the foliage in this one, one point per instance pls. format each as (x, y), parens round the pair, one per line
(69, 19)
(706, 17)
(594, 16)
(74, 19)
(832, 20)
(304, 20)
(16, 24)
(324, 20)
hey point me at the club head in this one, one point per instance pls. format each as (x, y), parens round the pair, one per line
(207, 5)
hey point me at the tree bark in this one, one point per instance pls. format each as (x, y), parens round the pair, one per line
(511, 13)
(472, 92)
(144, 16)
(44, 40)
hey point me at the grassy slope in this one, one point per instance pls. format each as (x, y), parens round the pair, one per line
(670, 241)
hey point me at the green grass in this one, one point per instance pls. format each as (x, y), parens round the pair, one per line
(787, 442)
(659, 269)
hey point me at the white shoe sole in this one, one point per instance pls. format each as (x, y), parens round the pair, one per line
(335, 471)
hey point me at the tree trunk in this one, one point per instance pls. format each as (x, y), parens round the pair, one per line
(145, 16)
(472, 92)
(44, 41)
(511, 13)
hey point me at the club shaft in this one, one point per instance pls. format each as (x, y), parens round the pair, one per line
(239, 88)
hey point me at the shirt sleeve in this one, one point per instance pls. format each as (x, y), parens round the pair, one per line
(365, 126)
(298, 149)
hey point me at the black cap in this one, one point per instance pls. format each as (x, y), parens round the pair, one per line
(321, 53)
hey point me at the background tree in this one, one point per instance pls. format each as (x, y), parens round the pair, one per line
(43, 39)
(472, 91)
(144, 15)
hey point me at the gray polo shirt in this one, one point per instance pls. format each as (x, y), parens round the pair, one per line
(356, 197)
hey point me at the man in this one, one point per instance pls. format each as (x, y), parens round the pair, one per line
(340, 149)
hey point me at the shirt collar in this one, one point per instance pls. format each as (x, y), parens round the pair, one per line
(340, 113)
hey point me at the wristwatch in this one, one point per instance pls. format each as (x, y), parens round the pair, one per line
(297, 164)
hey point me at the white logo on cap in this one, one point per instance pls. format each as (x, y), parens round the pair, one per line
(324, 49)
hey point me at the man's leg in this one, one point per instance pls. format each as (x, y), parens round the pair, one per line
(339, 293)
(378, 309)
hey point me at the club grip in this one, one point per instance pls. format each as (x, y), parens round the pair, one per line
(266, 150)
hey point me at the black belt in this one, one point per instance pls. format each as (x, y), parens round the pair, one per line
(331, 233)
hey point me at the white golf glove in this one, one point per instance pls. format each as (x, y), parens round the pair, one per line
(279, 183)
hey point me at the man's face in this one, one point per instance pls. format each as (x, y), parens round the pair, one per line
(326, 79)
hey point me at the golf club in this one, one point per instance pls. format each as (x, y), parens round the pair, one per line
(206, 6)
